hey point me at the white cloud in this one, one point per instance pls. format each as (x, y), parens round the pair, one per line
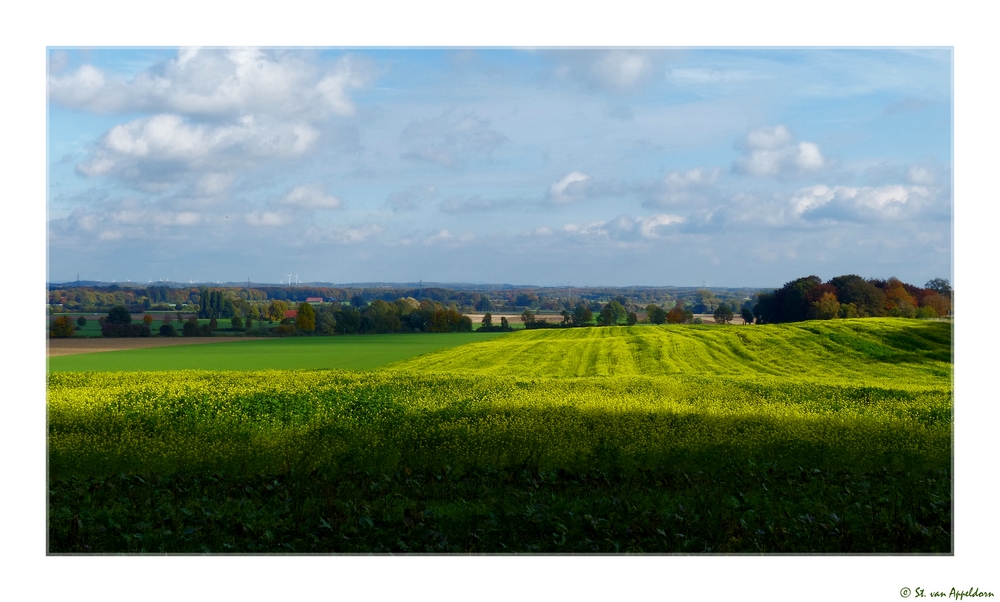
(688, 187)
(310, 197)
(446, 237)
(158, 147)
(617, 70)
(341, 234)
(474, 204)
(451, 139)
(411, 198)
(218, 83)
(570, 188)
(773, 152)
(268, 218)
(625, 227)
(920, 175)
(852, 203)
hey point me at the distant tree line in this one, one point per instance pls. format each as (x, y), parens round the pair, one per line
(851, 296)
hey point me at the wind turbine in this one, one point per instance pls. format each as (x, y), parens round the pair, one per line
(289, 280)
(296, 280)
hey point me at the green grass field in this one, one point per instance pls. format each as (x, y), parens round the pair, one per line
(340, 353)
(811, 437)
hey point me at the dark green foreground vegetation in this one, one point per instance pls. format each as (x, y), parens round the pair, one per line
(799, 438)
(729, 508)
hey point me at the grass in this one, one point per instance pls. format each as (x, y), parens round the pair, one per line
(816, 437)
(338, 352)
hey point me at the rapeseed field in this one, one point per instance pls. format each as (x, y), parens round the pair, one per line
(817, 410)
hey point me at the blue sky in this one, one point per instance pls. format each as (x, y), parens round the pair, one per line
(589, 166)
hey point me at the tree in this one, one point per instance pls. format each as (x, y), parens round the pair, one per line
(358, 301)
(826, 308)
(618, 311)
(898, 301)
(676, 315)
(657, 315)
(190, 328)
(237, 323)
(487, 320)
(940, 286)
(147, 320)
(746, 312)
(504, 324)
(326, 322)
(168, 330)
(81, 321)
(306, 317)
(276, 310)
(631, 318)
(527, 317)
(484, 304)
(119, 315)
(938, 303)
(723, 314)
(61, 328)
(582, 315)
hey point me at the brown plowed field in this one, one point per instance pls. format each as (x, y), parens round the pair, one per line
(91, 345)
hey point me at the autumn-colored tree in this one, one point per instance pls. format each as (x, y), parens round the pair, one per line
(61, 328)
(938, 303)
(898, 302)
(276, 310)
(676, 315)
(305, 319)
(147, 320)
(826, 307)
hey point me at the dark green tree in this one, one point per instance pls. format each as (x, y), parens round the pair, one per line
(940, 286)
(305, 319)
(723, 314)
(582, 315)
(119, 315)
(657, 315)
(487, 320)
(81, 321)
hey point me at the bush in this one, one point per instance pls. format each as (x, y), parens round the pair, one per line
(81, 321)
(190, 328)
(168, 330)
(117, 330)
(237, 323)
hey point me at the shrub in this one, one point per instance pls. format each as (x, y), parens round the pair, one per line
(168, 330)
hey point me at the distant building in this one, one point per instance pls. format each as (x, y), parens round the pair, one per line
(314, 299)
(291, 313)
